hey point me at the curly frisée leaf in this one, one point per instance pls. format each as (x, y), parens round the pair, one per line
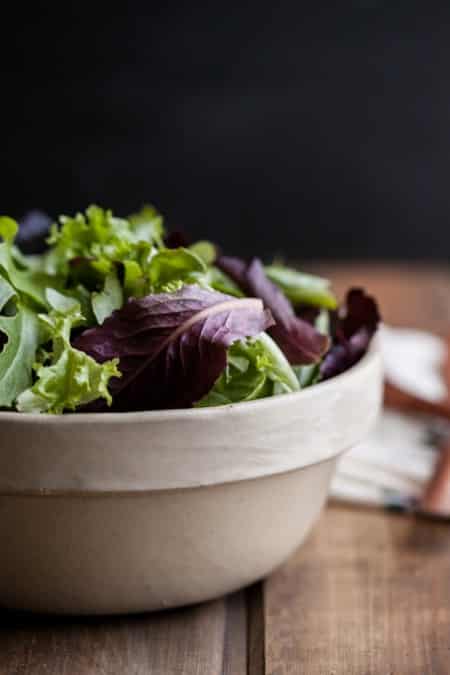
(172, 346)
(102, 239)
(66, 378)
(72, 381)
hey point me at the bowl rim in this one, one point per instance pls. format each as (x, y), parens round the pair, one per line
(48, 493)
(176, 414)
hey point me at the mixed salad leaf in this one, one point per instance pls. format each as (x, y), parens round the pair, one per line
(104, 313)
(299, 340)
(172, 346)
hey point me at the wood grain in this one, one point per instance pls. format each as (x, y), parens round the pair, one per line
(199, 640)
(369, 592)
(255, 630)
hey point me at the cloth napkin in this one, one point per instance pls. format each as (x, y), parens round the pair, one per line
(405, 463)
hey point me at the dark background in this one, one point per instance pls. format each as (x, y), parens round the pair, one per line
(271, 128)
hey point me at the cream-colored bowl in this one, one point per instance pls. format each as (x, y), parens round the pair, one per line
(128, 512)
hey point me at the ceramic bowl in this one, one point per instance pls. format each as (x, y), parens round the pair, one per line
(129, 512)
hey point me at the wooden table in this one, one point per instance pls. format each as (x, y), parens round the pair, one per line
(369, 593)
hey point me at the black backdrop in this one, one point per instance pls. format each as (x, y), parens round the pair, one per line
(321, 133)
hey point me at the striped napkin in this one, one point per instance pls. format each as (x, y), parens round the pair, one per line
(403, 464)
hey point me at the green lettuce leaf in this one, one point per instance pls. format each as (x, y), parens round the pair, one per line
(8, 229)
(90, 249)
(19, 331)
(171, 268)
(106, 301)
(66, 378)
(307, 375)
(300, 288)
(147, 225)
(204, 250)
(221, 282)
(256, 368)
(29, 282)
(164, 271)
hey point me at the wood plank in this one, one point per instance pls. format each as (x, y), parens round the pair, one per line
(369, 592)
(208, 639)
(255, 630)
(235, 638)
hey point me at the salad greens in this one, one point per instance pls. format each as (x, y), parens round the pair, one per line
(255, 368)
(299, 340)
(104, 313)
(66, 378)
(20, 339)
(301, 288)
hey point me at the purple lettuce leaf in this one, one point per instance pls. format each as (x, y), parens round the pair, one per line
(172, 346)
(353, 327)
(298, 339)
(34, 229)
